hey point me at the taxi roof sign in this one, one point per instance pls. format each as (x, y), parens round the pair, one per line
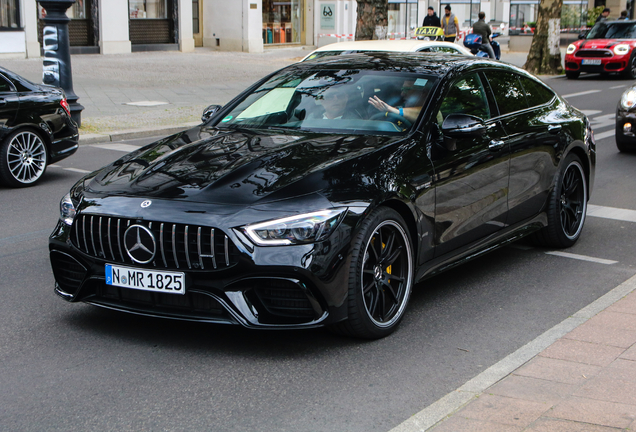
(429, 31)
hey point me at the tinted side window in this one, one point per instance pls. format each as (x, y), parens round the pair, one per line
(536, 93)
(466, 96)
(4, 85)
(509, 94)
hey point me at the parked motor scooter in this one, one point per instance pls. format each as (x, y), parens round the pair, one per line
(473, 43)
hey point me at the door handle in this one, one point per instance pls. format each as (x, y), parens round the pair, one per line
(496, 145)
(554, 129)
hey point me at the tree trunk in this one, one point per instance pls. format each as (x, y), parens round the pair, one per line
(545, 56)
(372, 19)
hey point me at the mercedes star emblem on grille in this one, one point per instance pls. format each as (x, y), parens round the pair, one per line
(140, 244)
(146, 204)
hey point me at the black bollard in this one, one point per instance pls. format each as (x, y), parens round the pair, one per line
(57, 55)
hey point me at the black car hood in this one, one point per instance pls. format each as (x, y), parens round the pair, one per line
(206, 164)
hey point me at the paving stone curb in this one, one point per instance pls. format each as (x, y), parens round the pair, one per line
(98, 138)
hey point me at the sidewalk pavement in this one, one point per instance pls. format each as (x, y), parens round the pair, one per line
(169, 90)
(578, 376)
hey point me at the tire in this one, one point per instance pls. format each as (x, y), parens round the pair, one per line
(380, 280)
(23, 158)
(567, 206)
(572, 75)
(630, 70)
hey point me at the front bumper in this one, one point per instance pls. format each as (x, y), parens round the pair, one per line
(616, 63)
(626, 137)
(261, 287)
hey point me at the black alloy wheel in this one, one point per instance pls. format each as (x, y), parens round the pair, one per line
(572, 74)
(630, 70)
(23, 158)
(380, 276)
(567, 206)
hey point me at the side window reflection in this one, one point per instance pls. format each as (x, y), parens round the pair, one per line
(466, 96)
(509, 94)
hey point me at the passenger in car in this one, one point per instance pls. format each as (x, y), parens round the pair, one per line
(336, 105)
(412, 100)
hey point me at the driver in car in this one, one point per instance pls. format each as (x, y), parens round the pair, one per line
(334, 101)
(412, 97)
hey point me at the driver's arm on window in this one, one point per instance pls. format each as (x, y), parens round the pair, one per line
(409, 113)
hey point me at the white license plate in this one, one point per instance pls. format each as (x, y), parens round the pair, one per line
(595, 62)
(148, 280)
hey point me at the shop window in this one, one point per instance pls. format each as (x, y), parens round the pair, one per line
(153, 9)
(81, 28)
(9, 15)
(573, 16)
(523, 17)
(402, 18)
(281, 21)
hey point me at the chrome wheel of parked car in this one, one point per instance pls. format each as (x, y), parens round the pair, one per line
(23, 158)
(380, 277)
(567, 206)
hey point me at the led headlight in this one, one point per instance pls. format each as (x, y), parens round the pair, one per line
(300, 229)
(67, 210)
(571, 49)
(621, 49)
(628, 100)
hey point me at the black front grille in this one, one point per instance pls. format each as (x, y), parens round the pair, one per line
(69, 274)
(178, 246)
(593, 53)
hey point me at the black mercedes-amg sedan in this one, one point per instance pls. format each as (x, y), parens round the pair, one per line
(323, 193)
(35, 129)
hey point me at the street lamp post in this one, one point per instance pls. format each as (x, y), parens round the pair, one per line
(57, 56)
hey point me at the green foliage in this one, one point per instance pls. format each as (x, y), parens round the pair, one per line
(571, 16)
(532, 24)
(592, 14)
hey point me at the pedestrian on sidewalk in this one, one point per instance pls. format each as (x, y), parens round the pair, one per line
(603, 16)
(450, 24)
(482, 29)
(431, 19)
(623, 15)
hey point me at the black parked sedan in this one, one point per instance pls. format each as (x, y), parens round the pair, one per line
(323, 193)
(35, 129)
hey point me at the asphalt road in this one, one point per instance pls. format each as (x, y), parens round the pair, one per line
(76, 367)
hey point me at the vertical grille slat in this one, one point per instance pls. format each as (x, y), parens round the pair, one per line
(84, 234)
(119, 239)
(161, 245)
(199, 248)
(186, 245)
(181, 246)
(93, 238)
(174, 244)
(226, 249)
(101, 241)
(110, 241)
(212, 248)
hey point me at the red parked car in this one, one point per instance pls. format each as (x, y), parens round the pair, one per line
(607, 48)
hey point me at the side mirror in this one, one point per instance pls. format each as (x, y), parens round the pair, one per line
(462, 125)
(583, 35)
(209, 112)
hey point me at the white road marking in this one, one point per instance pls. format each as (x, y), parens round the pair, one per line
(590, 113)
(146, 103)
(119, 147)
(618, 86)
(582, 257)
(604, 135)
(583, 93)
(603, 121)
(611, 213)
(77, 170)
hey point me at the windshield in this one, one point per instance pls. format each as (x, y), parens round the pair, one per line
(340, 101)
(613, 30)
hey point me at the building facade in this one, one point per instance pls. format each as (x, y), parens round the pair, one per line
(123, 26)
